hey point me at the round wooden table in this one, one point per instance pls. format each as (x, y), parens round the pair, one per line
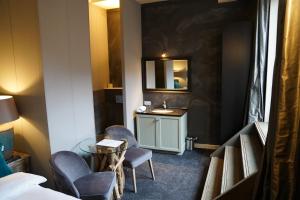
(107, 159)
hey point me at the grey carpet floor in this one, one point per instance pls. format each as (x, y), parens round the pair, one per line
(177, 177)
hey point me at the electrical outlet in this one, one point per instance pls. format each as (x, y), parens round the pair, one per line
(147, 103)
(119, 98)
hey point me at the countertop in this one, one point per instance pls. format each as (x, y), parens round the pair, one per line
(176, 112)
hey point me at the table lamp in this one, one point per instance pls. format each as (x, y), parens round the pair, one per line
(8, 113)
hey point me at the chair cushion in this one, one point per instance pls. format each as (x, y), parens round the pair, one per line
(135, 156)
(96, 186)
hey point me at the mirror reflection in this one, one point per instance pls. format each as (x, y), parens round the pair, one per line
(166, 74)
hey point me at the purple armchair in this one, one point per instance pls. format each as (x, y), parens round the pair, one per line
(73, 176)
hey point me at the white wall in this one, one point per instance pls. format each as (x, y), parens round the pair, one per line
(65, 41)
(99, 46)
(21, 76)
(131, 59)
(53, 85)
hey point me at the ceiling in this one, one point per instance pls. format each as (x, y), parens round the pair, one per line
(152, 1)
(106, 4)
(148, 1)
(111, 4)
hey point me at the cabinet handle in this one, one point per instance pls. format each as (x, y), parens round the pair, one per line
(156, 120)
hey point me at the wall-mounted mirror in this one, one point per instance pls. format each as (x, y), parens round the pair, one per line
(172, 74)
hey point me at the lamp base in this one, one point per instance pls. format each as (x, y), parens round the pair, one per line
(7, 143)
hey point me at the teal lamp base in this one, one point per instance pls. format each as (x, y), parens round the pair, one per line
(7, 143)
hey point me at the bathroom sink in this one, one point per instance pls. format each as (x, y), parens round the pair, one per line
(162, 111)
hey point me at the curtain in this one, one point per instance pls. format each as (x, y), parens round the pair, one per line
(256, 98)
(280, 173)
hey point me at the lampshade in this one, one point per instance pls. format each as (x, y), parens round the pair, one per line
(8, 110)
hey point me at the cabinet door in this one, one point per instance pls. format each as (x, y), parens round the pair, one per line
(169, 134)
(147, 131)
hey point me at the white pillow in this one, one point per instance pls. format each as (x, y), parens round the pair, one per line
(19, 182)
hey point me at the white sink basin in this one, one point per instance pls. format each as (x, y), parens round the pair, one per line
(162, 111)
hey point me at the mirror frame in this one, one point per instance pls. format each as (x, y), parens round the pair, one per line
(145, 89)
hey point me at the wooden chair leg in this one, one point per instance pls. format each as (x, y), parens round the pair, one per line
(134, 180)
(116, 195)
(151, 168)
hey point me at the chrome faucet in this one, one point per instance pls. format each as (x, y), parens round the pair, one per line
(165, 104)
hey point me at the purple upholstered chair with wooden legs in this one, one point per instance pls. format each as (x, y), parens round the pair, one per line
(73, 176)
(134, 155)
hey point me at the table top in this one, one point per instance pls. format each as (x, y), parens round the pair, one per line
(89, 146)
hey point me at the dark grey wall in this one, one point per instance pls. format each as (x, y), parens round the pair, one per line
(107, 110)
(237, 42)
(193, 28)
(100, 111)
(114, 47)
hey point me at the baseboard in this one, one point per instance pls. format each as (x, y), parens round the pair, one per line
(206, 146)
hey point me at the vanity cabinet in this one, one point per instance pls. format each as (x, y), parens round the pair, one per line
(162, 132)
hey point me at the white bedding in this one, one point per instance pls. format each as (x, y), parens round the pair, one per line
(24, 186)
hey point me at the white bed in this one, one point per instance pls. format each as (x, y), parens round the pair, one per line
(24, 186)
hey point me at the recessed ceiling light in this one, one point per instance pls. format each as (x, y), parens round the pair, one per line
(107, 4)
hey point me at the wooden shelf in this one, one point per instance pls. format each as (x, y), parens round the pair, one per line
(212, 185)
(234, 176)
(251, 153)
(232, 172)
(262, 128)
